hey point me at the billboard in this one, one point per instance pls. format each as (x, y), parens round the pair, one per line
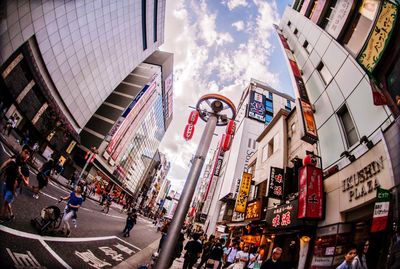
(241, 199)
(275, 189)
(310, 193)
(257, 106)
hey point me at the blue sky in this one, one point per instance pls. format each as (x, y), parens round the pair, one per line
(218, 46)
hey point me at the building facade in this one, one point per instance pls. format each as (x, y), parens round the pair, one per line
(335, 57)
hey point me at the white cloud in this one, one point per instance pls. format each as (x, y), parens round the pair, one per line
(202, 65)
(232, 4)
(239, 25)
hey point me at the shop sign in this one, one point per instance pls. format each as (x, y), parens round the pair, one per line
(251, 239)
(39, 113)
(306, 5)
(217, 170)
(339, 17)
(381, 210)
(283, 216)
(363, 182)
(321, 262)
(275, 189)
(257, 106)
(310, 193)
(380, 37)
(318, 8)
(241, 199)
(70, 147)
(254, 210)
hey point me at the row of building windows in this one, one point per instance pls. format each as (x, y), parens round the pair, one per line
(144, 20)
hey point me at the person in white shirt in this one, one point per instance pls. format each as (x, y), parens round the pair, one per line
(242, 257)
(230, 255)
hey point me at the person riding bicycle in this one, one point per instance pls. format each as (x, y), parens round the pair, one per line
(107, 203)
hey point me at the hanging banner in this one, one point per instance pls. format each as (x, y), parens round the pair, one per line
(275, 189)
(243, 194)
(257, 106)
(310, 193)
(381, 210)
(305, 113)
(380, 37)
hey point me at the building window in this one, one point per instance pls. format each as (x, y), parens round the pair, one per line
(155, 20)
(289, 23)
(324, 72)
(288, 105)
(270, 96)
(269, 106)
(361, 26)
(144, 28)
(268, 118)
(265, 153)
(348, 126)
(270, 147)
(295, 32)
(307, 46)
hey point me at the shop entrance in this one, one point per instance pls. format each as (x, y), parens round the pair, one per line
(290, 244)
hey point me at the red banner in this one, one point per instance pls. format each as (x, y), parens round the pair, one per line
(310, 193)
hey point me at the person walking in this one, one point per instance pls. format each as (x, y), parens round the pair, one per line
(360, 261)
(14, 169)
(255, 259)
(215, 258)
(273, 262)
(130, 222)
(193, 251)
(242, 258)
(43, 177)
(207, 246)
(75, 201)
(230, 254)
(178, 249)
(348, 258)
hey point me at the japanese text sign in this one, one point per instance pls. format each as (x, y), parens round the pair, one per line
(310, 193)
(381, 210)
(241, 199)
(275, 189)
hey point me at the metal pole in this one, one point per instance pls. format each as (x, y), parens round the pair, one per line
(175, 227)
(86, 164)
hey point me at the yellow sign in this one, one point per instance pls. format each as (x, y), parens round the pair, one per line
(251, 239)
(70, 147)
(241, 199)
(253, 210)
(380, 36)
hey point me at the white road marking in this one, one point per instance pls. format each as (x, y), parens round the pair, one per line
(55, 255)
(129, 244)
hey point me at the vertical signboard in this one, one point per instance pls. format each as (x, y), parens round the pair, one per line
(275, 189)
(381, 210)
(257, 106)
(340, 14)
(310, 193)
(241, 199)
(319, 7)
(379, 38)
(305, 113)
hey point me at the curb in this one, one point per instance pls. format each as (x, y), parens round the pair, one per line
(141, 258)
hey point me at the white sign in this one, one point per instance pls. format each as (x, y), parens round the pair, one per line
(22, 260)
(322, 261)
(338, 17)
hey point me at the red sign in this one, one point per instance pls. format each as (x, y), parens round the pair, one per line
(310, 193)
(381, 210)
(193, 117)
(231, 127)
(226, 142)
(189, 131)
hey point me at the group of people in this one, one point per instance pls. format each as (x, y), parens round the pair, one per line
(355, 257)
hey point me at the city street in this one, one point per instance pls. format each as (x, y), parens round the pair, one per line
(97, 235)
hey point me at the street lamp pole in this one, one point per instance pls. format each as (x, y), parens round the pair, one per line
(213, 118)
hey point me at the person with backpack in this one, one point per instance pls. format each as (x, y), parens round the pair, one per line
(193, 251)
(14, 169)
(43, 177)
(230, 254)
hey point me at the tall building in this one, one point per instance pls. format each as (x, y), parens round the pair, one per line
(343, 60)
(61, 60)
(129, 126)
(258, 104)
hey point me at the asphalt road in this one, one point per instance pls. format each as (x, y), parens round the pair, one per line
(97, 241)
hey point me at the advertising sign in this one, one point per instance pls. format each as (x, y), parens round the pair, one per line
(275, 189)
(257, 106)
(380, 37)
(381, 210)
(241, 199)
(339, 17)
(307, 121)
(318, 10)
(256, 209)
(310, 193)
(283, 216)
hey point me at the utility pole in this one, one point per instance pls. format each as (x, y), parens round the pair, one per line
(210, 108)
(93, 152)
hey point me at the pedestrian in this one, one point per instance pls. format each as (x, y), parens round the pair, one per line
(193, 251)
(107, 203)
(255, 259)
(14, 169)
(25, 138)
(74, 179)
(74, 203)
(273, 262)
(43, 177)
(230, 254)
(10, 124)
(178, 249)
(242, 258)
(164, 231)
(394, 252)
(360, 261)
(215, 258)
(207, 246)
(130, 222)
(348, 258)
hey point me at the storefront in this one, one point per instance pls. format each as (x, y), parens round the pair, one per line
(293, 235)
